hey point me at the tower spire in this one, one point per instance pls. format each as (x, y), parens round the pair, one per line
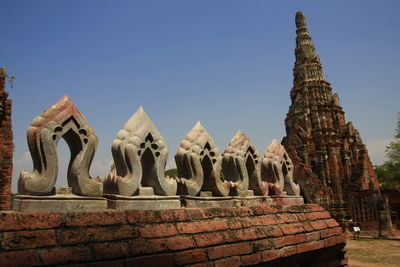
(307, 66)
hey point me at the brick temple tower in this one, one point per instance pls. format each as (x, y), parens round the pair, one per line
(331, 161)
(6, 145)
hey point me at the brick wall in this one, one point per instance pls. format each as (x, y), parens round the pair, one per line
(6, 146)
(273, 236)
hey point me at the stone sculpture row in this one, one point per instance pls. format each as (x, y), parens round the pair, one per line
(140, 153)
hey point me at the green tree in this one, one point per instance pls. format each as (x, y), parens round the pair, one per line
(389, 172)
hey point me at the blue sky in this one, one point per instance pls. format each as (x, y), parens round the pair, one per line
(226, 63)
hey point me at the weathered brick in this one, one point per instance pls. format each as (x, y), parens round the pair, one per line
(271, 219)
(312, 236)
(142, 216)
(108, 251)
(272, 231)
(190, 256)
(149, 246)
(201, 226)
(307, 226)
(262, 244)
(314, 245)
(209, 239)
(262, 210)
(229, 250)
(291, 229)
(314, 207)
(289, 218)
(65, 255)
(341, 238)
(269, 255)
(331, 232)
(178, 215)
(152, 260)
(26, 221)
(289, 240)
(243, 211)
(331, 223)
(179, 243)
(19, 258)
(318, 215)
(244, 234)
(28, 239)
(252, 259)
(231, 262)
(236, 223)
(318, 225)
(94, 218)
(329, 242)
(287, 251)
(157, 230)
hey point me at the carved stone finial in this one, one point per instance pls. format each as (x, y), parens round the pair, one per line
(62, 120)
(278, 169)
(199, 164)
(300, 20)
(140, 155)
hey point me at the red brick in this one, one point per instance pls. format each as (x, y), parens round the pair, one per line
(291, 229)
(329, 242)
(313, 236)
(149, 246)
(269, 255)
(262, 244)
(318, 215)
(65, 255)
(178, 215)
(201, 227)
(287, 251)
(307, 226)
(152, 260)
(331, 223)
(19, 258)
(289, 240)
(236, 223)
(206, 264)
(244, 234)
(108, 251)
(318, 225)
(157, 230)
(28, 239)
(262, 210)
(289, 218)
(190, 256)
(209, 239)
(302, 217)
(179, 243)
(219, 212)
(331, 232)
(243, 212)
(341, 239)
(266, 220)
(273, 231)
(315, 245)
(314, 207)
(229, 250)
(94, 218)
(142, 216)
(252, 259)
(231, 262)
(114, 263)
(26, 221)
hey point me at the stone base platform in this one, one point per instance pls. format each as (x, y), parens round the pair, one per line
(287, 200)
(58, 203)
(224, 202)
(142, 202)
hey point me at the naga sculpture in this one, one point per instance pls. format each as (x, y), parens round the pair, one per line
(241, 165)
(140, 155)
(199, 165)
(62, 120)
(277, 168)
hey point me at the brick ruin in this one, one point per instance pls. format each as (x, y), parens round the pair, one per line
(332, 163)
(253, 215)
(6, 145)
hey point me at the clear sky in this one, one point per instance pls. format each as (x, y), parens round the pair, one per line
(226, 63)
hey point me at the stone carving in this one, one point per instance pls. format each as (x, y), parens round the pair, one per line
(277, 167)
(241, 165)
(140, 155)
(62, 120)
(199, 165)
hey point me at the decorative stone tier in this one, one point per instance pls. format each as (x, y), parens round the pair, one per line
(303, 235)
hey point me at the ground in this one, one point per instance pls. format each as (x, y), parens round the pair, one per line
(369, 251)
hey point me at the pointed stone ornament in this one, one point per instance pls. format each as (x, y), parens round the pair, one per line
(140, 155)
(62, 120)
(241, 165)
(199, 164)
(277, 169)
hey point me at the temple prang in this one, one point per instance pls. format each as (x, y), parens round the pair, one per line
(331, 161)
